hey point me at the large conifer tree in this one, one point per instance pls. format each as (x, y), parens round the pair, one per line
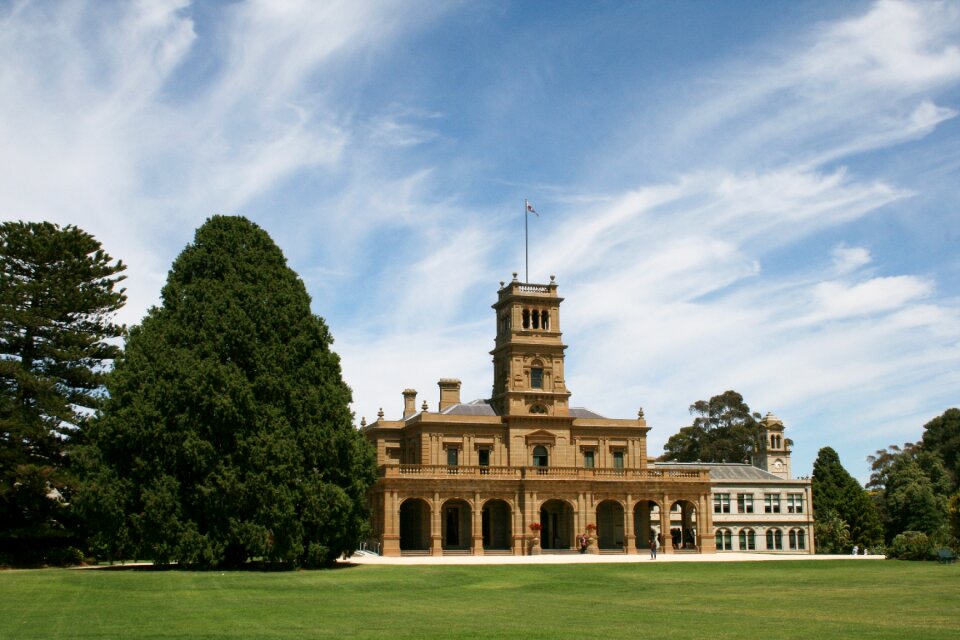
(838, 495)
(228, 435)
(58, 294)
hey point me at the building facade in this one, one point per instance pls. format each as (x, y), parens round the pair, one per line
(524, 472)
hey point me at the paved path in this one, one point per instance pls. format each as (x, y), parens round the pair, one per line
(577, 558)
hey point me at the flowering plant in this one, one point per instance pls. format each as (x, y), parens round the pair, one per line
(535, 527)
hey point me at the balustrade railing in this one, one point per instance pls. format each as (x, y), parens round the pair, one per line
(542, 473)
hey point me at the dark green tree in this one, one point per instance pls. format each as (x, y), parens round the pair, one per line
(837, 494)
(724, 430)
(942, 436)
(58, 296)
(831, 532)
(912, 489)
(228, 437)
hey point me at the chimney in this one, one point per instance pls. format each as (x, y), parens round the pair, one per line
(409, 403)
(449, 392)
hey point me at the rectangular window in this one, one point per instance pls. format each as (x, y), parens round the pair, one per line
(771, 503)
(452, 456)
(484, 455)
(745, 503)
(618, 459)
(588, 461)
(536, 378)
(721, 503)
(794, 503)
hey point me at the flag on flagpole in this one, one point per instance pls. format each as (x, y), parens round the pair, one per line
(531, 209)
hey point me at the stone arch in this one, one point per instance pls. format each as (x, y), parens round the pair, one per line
(645, 524)
(414, 524)
(556, 523)
(497, 523)
(683, 532)
(456, 519)
(611, 532)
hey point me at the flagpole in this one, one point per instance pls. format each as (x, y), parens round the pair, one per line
(526, 241)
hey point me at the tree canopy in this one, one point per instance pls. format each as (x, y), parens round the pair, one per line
(228, 436)
(837, 496)
(58, 295)
(724, 430)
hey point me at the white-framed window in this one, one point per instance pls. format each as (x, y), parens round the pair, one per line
(745, 503)
(771, 503)
(748, 540)
(721, 503)
(794, 503)
(798, 539)
(724, 540)
(774, 539)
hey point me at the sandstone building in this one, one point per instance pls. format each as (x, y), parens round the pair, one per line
(471, 477)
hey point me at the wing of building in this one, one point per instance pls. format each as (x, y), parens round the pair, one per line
(524, 472)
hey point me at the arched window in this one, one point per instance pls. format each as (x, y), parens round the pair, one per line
(748, 541)
(540, 458)
(798, 539)
(526, 318)
(774, 539)
(536, 319)
(724, 540)
(545, 320)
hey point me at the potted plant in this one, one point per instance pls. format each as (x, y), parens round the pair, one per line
(592, 539)
(535, 541)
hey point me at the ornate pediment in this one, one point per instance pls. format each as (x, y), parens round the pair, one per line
(541, 436)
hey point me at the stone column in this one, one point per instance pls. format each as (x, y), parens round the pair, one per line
(629, 535)
(667, 546)
(706, 538)
(516, 531)
(391, 526)
(477, 525)
(436, 530)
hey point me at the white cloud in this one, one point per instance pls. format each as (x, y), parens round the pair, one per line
(848, 259)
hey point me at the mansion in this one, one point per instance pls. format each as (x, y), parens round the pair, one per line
(524, 472)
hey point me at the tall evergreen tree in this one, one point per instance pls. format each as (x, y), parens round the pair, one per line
(58, 295)
(838, 495)
(228, 435)
(724, 430)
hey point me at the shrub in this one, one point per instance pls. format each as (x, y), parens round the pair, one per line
(911, 545)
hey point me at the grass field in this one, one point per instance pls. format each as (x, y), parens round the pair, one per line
(827, 599)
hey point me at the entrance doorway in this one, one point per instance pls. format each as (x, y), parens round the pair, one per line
(610, 525)
(414, 525)
(497, 530)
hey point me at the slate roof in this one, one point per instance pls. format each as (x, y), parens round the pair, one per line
(484, 408)
(724, 470)
(474, 408)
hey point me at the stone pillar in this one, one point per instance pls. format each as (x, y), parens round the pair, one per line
(477, 527)
(436, 529)
(391, 524)
(706, 537)
(517, 531)
(667, 546)
(629, 535)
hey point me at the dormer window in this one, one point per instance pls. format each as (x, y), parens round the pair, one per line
(536, 377)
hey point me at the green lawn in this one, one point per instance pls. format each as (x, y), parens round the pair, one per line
(824, 599)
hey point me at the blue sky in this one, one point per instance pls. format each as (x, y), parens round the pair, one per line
(751, 196)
